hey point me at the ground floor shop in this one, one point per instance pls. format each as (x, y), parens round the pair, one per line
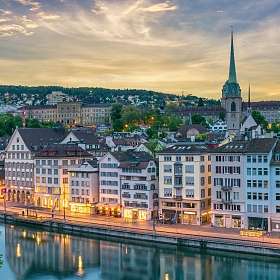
(228, 220)
(135, 214)
(108, 210)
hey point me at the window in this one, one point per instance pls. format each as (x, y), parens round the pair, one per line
(167, 180)
(265, 196)
(254, 196)
(202, 181)
(259, 171)
(55, 180)
(277, 183)
(254, 159)
(189, 180)
(265, 171)
(189, 169)
(249, 158)
(260, 196)
(202, 168)
(218, 194)
(277, 171)
(277, 209)
(249, 195)
(259, 159)
(167, 158)
(167, 168)
(189, 193)
(233, 107)
(249, 183)
(203, 193)
(178, 158)
(201, 158)
(264, 158)
(249, 171)
(167, 192)
(277, 196)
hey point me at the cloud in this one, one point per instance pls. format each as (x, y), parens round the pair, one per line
(34, 5)
(47, 16)
(7, 30)
(160, 7)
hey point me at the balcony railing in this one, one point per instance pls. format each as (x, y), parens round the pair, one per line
(178, 197)
(226, 188)
(226, 201)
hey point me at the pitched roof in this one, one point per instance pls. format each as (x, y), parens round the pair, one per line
(133, 159)
(62, 150)
(37, 138)
(258, 146)
(186, 148)
(86, 136)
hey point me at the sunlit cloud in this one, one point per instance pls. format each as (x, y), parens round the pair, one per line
(171, 46)
(34, 5)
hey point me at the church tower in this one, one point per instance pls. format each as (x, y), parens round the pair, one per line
(231, 96)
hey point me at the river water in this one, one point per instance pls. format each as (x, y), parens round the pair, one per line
(28, 253)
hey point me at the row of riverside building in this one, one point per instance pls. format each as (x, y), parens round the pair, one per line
(235, 185)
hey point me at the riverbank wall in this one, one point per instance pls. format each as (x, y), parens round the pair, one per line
(129, 233)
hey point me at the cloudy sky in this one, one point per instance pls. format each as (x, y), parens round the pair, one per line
(166, 45)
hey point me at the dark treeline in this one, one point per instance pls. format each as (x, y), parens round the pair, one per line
(86, 94)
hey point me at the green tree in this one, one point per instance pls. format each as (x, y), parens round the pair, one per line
(116, 115)
(8, 123)
(131, 115)
(174, 123)
(198, 119)
(260, 119)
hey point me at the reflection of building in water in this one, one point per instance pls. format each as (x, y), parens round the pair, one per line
(182, 266)
(126, 261)
(37, 252)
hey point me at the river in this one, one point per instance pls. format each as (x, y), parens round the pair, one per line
(28, 253)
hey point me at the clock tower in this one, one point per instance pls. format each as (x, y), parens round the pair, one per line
(231, 96)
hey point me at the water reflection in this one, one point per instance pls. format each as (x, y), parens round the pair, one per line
(33, 253)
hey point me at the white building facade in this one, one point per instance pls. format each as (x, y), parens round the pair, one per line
(185, 183)
(128, 185)
(84, 187)
(244, 179)
(51, 174)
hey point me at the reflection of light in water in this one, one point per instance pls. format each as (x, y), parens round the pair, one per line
(18, 251)
(166, 276)
(126, 250)
(24, 234)
(38, 240)
(80, 271)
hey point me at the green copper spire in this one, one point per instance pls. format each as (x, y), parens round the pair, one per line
(232, 70)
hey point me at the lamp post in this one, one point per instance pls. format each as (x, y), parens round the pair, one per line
(64, 210)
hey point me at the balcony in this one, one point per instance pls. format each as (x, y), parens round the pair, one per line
(178, 197)
(225, 201)
(226, 188)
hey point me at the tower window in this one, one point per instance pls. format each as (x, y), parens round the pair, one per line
(233, 107)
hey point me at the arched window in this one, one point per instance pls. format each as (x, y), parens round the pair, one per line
(233, 107)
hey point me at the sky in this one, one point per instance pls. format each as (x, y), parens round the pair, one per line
(175, 46)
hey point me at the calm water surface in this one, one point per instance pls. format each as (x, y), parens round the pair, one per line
(35, 254)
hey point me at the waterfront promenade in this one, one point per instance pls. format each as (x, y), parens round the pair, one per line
(195, 236)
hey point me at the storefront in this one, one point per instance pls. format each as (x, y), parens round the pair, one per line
(136, 214)
(257, 223)
(189, 218)
(108, 210)
(275, 225)
(219, 221)
(236, 221)
(81, 208)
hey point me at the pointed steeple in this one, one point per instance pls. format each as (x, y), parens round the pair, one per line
(232, 70)
(249, 100)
